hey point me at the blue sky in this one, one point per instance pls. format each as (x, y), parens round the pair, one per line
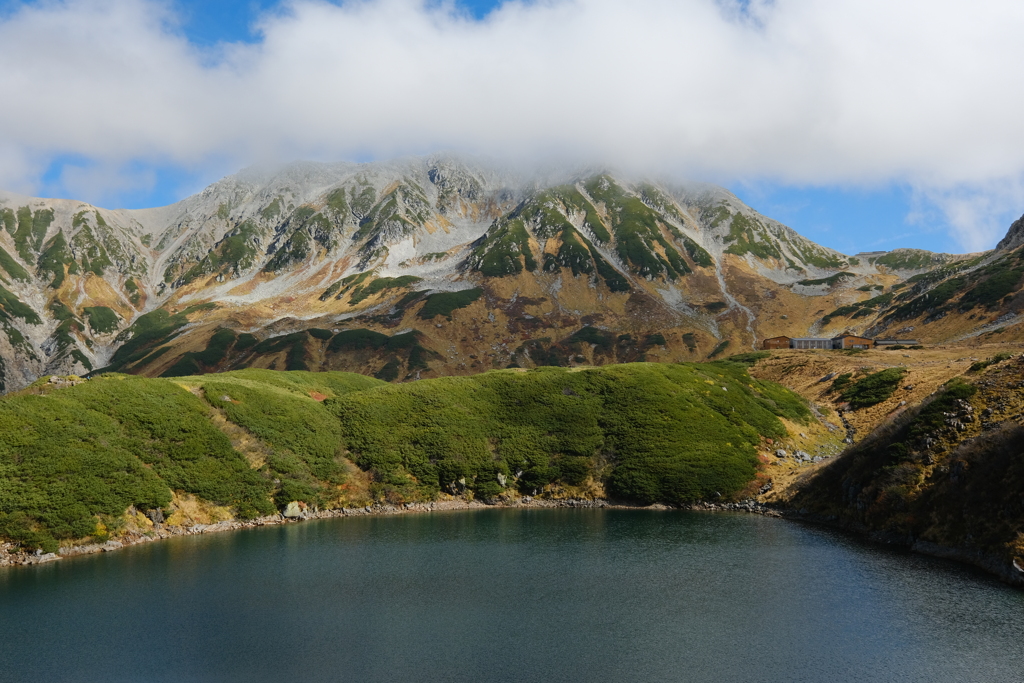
(861, 124)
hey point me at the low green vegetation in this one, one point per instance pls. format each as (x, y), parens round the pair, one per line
(860, 309)
(871, 389)
(148, 330)
(370, 344)
(134, 295)
(397, 214)
(94, 252)
(744, 233)
(715, 307)
(337, 203)
(993, 283)
(910, 259)
(443, 303)
(74, 459)
(674, 433)
(55, 258)
(955, 286)
(294, 344)
(504, 250)
(841, 382)
(982, 364)
(280, 409)
(655, 339)
(601, 339)
(13, 307)
(639, 240)
(348, 283)
(272, 210)
(381, 284)
(751, 358)
(101, 319)
(28, 238)
(12, 267)
(217, 348)
(830, 281)
(717, 351)
(235, 253)
(351, 340)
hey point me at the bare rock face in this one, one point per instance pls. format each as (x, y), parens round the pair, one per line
(1014, 236)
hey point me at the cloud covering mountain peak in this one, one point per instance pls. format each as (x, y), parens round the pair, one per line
(861, 93)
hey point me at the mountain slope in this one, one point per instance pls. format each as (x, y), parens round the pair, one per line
(437, 266)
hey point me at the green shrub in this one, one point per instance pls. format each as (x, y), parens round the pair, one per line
(12, 306)
(751, 358)
(382, 284)
(101, 318)
(672, 433)
(504, 250)
(982, 364)
(592, 335)
(389, 372)
(443, 303)
(357, 339)
(75, 454)
(841, 382)
(830, 281)
(665, 432)
(148, 330)
(722, 346)
(655, 339)
(13, 268)
(874, 388)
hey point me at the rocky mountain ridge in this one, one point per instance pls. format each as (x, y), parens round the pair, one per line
(439, 265)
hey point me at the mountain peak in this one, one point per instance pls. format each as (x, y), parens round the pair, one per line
(1014, 236)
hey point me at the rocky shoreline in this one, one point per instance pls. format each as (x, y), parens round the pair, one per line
(8, 556)
(1005, 571)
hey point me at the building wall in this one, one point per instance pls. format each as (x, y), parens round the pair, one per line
(812, 344)
(855, 343)
(776, 343)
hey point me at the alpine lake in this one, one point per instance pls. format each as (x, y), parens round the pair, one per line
(511, 595)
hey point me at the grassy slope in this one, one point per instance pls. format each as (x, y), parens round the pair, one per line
(72, 460)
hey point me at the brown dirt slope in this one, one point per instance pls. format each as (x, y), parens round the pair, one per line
(945, 475)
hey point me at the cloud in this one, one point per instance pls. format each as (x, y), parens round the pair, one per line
(859, 92)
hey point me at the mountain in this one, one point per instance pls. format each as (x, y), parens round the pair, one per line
(444, 266)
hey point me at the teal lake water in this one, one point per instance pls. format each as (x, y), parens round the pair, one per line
(511, 595)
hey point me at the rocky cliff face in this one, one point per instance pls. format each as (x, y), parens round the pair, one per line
(1014, 236)
(430, 266)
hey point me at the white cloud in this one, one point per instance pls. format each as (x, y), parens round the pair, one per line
(840, 92)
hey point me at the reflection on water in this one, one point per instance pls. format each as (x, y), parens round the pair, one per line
(511, 595)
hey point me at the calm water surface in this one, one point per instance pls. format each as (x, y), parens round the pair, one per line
(511, 595)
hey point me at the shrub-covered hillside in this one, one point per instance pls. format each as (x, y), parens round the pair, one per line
(73, 459)
(651, 432)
